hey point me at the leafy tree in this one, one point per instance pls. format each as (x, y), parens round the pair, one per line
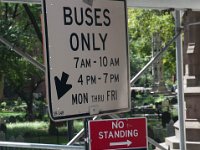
(20, 75)
(143, 23)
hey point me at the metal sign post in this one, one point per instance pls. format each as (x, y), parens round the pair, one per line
(181, 100)
(86, 133)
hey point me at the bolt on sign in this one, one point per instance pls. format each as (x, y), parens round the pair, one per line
(86, 57)
(118, 134)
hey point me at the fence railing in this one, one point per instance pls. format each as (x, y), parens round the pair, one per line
(39, 146)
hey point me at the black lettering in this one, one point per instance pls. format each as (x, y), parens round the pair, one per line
(89, 16)
(67, 12)
(80, 79)
(105, 14)
(94, 45)
(103, 39)
(85, 42)
(97, 16)
(112, 95)
(80, 20)
(77, 60)
(74, 42)
(88, 12)
(80, 98)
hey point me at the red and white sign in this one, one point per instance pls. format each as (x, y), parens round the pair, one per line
(118, 134)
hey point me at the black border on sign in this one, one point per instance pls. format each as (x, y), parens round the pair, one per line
(82, 115)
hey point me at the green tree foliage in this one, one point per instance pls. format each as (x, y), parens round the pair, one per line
(16, 27)
(142, 24)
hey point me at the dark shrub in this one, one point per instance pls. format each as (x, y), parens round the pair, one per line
(3, 127)
(166, 117)
(12, 119)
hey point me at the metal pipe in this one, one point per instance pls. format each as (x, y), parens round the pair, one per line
(153, 142)
(77, 137)
(22, 1)
(86, 134)
(155, 58)
(154, 4)
(21, 53)
(39, 146)
(79, 134)
(165, 4)
(179, 70)
(194, 24)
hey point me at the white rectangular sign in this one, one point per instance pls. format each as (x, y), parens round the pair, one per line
(86, 57)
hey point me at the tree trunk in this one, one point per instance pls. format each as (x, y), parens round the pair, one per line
(30, 115)
(1, 86)
(28, 98)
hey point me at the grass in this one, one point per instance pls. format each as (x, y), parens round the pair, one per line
(36, 132)
(37, 129)
(8, 114)
(27, 129)
(48, 139)
(30, 125)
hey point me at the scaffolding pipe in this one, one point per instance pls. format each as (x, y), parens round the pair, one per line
(153, 4)
(155, 58)
(156, 144)
(22, 1)
(39, 146)
(81, 132)
(21, 53)
(76, 137)
(179, 70)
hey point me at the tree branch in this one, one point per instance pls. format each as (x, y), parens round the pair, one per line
(33, 21)
(6, 11)
(15, 11)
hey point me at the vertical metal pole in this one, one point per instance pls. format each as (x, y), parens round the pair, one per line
(86, 133)
(179, 70)
(70, 125)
